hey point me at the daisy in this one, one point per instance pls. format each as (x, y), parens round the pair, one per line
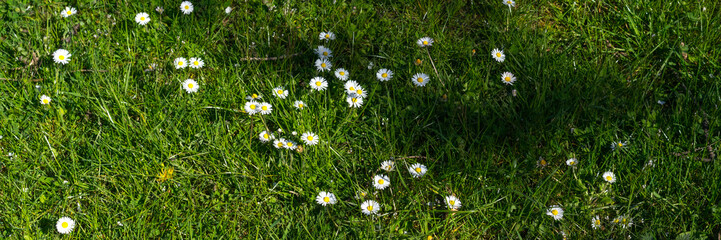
(509, 3)
(186, 7)
(618, 145)
(388, 165)
(498, 55)
(571, 162)
(180, 63)
(290, 145)
(555, 212)
(265, 108)
(384, 75)
(310, 138)
(160, 10)
(280, 92)
(541, 163)
(45, 100)
(68, 12)
(350, 86)
(624, 221)
(142, 18)
(279, 143)
(341, 74)
(252, 107)
(265, 136)
(425, 42)
(370, 207)
(361, 92)
(253, 96)
(228, 10)
(325, 198)
(65, 225)
(326, 36)
(190, 86)
(61, 56)
(196, 63)
(453, 202)
(381, 182)
(323, 52)
(609, 177)
(417, 170)
(596, 222)
(508, 78)
(420, 79)
(299, 104)
(323, 64)
(354, 100)
(318, 83)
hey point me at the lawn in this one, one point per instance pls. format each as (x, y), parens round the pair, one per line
(123, 145)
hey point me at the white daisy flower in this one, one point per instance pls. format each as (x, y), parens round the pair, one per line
(381, 182)
(417, 170)
(160, 10)
(45, 100)
(264, 136)
(310, 138)
(253, 96)
(425, 42)
(596, 222)
(498, 55)
(323, 64)
(609, 177)
(196, 63)
(323, 52)
(318, 84)
(279, 143)
(453, 202)
(186, 7)
(624, 221)
(280, 92)
(265, 108)
(68, 11)
(350, 86)
(180, 63)
(360, 92)
(420, 79)
(571, 162)
(556, 212)
(142, 18)
(370, 207)
(252, 107)
(388, 165)
(61, 56)
(509, 3)
(325, 198)
(618, 145)
(508, 78)
(190, 86)
(341, 74)
(228, 10)
(65, 225)
(326, 36)
(384, 75)
(299, 104)
(354, 101)
(290, 145)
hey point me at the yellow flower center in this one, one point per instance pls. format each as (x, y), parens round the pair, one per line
(265, 136)
(609, 178)
(509, 2)
(420, 80)
(187, 7)
(325, 53)
(360, 92)
(190, 85)
(254, 95)
(300, 105)
(351, 88)
(252, 106)
(180, 63)
(65, 224)
(615, 220)
(318, 83)
(280, 144)
(624, 221)
(388, 167)
(598, 222)
(326, 199)
(322, 65)
(507, 79)
(543, 162)
(418, 61)
(418, 170)
(572, 162)
(61, 57)
(370, 207)
(327, 36)
(142, 18)
(280, 92)
(310, 138)
(554, 212)
(342, 73)
(290, 144)
(46, 101)
(451, 202)
(425, 42)
(380, 181)
(620, 144)
(498, 54)
(265, 108)
(354, 100)
(384, 75)
(196, 63)
(70, 13)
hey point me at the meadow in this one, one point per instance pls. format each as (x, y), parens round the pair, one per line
(607, 128)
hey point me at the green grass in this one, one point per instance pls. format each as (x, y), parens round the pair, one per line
(589, 73)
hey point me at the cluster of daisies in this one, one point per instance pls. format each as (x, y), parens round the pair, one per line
(381, 182)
